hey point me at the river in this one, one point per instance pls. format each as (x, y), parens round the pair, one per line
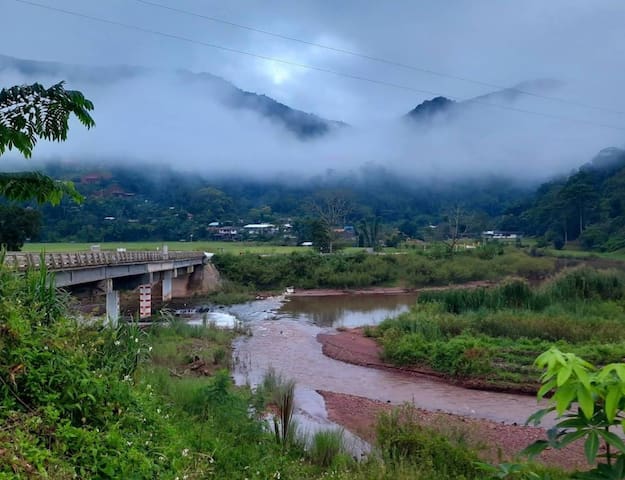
(283, 337)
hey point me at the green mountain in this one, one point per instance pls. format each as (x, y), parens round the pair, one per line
(587, 206)
(135, 203)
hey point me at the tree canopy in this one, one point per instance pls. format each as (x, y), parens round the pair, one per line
(29, 113)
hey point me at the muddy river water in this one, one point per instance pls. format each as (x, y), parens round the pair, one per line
(283, 337)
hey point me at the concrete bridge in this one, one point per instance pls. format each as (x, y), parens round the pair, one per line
(114, 271)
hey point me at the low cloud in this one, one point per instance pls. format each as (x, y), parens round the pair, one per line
(147, 117)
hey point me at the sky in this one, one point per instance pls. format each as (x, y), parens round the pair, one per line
(576, 44)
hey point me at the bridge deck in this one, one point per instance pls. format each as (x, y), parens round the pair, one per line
(75, 260)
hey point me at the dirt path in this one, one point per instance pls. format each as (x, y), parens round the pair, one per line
(493, 441)
(352, 346)
(332, 292)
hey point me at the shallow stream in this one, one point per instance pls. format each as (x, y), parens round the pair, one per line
(283, 337)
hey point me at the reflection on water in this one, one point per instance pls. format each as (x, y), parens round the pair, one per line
(219, 319)
(346, 310)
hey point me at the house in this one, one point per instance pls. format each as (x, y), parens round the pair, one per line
(227, 233)
(501, 236)
(254, 229)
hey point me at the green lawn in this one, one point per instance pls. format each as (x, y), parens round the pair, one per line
(213, 247)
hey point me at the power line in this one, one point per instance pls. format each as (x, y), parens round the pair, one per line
(380, 59)
(306, 66)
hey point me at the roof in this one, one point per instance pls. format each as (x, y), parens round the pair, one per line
(259, 225)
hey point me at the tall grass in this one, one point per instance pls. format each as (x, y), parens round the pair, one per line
(494, 334)
(402, 438)
(326, 446)
(280, 394)
(576, 285)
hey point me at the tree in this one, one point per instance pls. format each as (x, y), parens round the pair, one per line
(17, 225)
(332, 209)
(29, 113)
(370, 230)
(457, 228)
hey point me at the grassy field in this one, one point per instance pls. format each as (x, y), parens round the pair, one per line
(213, 247)
(493, 335)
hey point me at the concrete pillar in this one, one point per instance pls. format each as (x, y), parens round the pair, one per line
(167, 285)
(112, 303)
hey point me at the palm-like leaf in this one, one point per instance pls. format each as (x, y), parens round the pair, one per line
(27, 114)
(36, 186)
(30, 112)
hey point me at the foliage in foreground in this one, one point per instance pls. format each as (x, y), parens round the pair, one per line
(590, 406)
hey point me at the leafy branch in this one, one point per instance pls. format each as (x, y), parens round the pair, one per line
(29, 113)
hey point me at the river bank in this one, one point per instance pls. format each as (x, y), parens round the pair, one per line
(352, 346)
(495, 442)
(332, 292)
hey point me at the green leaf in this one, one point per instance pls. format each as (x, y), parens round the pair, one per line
(537, 416)
(582, 375)
(574, 422)
(611, 401)
(586, 403)
(612, 439)
(535, 448)
(591, 446)
(564, 374)
(571, 437)
(563, 397)
(546, 388)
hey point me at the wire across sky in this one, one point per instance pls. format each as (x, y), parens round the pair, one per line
(348, 75)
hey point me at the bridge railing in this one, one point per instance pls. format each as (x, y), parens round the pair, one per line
(69, 260)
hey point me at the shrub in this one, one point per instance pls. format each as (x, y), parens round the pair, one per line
(326, 446)
(401, 437)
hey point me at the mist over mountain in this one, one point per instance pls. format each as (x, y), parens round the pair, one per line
(201, 123)
(303, 125)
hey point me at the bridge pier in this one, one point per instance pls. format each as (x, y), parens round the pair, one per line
(112, 302)
(167, 285)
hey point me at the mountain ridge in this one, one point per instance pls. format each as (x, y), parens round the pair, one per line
(303, 125)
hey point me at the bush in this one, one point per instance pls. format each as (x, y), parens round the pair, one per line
(326, 446)
(402, 438)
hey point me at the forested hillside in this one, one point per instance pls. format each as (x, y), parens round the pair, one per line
(132, 203)
(588, 206)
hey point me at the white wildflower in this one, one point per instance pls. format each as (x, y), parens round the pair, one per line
(185, 452)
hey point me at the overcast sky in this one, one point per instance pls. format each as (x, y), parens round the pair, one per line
(578, 43)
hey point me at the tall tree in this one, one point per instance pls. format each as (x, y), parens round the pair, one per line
(332, 209)
(17, 225)
(29, 113)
